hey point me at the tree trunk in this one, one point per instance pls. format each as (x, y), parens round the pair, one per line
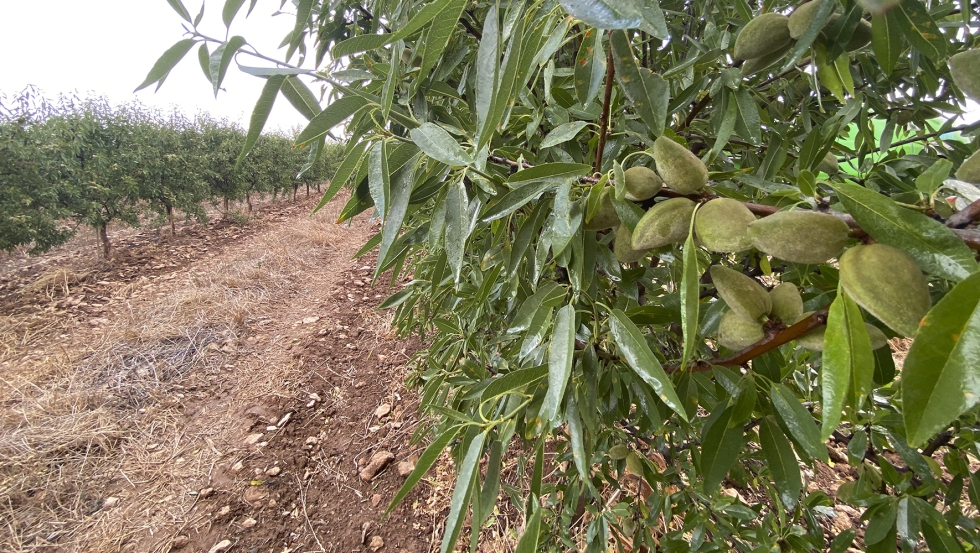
(103, 235)
(307, 191)
(295, 188)
(248, 200)
(318, 188)
(170, 214)
(226, 204)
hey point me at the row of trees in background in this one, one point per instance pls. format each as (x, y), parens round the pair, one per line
(72, 162)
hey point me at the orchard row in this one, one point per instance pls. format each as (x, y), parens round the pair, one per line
(74, 162)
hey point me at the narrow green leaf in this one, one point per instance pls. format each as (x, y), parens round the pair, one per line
(438, 144)
(560, 356)
(529, 541)
(881, 523)
(848, 362)
(605, 14)
(221, 59)
(798, 422)
(167, 61)
(352, 160)
(581, 459)
(230, 10)
(549, 171)
(488, 495)
(514, 380)
(932, 178)
(391, 82)
(932, 244)
(781, 461)
(178, 7)
(721, 446)
(803, 43)
(939, 539)
(401, 191)
(690, 295)
(269, 71)
(487, 71)
(457, 226)
(396, 299)
(941, 374)
(260, 114)
(379, 177)
(590, 67)
(548, 294)
(422, 466)
(648, 91)
(364, 43)
(438, 36)
(301, 97)
(563, 133)
(514, 200)
(748, 113)
(506, 81)
(638, 356)
(204, 58)
(461, 494)
(333, 115)
(921, 29)
(886, 41)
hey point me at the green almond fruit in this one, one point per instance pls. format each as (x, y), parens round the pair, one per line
(757, 65)
(970, 170)
(829, 164)
(763, 35)
(722, 225)
(887, 283)
(800, 236)
(742, 293)
(813, 340)
(965, 69)
(623, 250)
(642, 183)
(665, 223)
(802, 17)
(606, 216)
(736, 332)
(787, 304)
(681, 170)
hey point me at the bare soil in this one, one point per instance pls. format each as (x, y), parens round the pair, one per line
(220, 390)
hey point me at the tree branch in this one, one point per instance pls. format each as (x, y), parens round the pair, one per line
(694, 112)
(470, 28)
(774, 338)
(963, 218)
(604, 118)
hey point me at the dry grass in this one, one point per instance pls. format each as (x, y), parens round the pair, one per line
(96, 453)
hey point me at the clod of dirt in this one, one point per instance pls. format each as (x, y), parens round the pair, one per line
(237, 467)
(249, 522)
(255, 494)
(253, 438)
(285, 419)
(382, 410)
(205, 493)
(378, 461)
(220, 546)
(375, 500)
(274, 471)
(406, 467)
(365, 528)
(110, 502)
(179, 542)
(376, 543)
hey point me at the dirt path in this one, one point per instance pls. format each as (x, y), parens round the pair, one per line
(217, 391)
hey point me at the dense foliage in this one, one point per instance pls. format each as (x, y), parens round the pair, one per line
(81, 161)
(495, 140)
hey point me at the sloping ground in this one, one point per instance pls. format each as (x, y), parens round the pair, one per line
(219, 390)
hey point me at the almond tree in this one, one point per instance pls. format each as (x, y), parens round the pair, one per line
(663, 250)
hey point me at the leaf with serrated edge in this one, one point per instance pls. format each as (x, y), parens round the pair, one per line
(848, 361)
(799, 422)
(438, 144)
(468, 469)
(781, 461)
(560, 353)
(260, 114)
(167, 61)
(932, 244)
(644, 363)
(941, 374)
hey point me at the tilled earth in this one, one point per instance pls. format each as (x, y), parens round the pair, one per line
(232, 388)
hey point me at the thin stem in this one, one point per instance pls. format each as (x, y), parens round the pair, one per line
(604, 118)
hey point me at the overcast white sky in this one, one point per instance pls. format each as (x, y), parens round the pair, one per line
(106, 47)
